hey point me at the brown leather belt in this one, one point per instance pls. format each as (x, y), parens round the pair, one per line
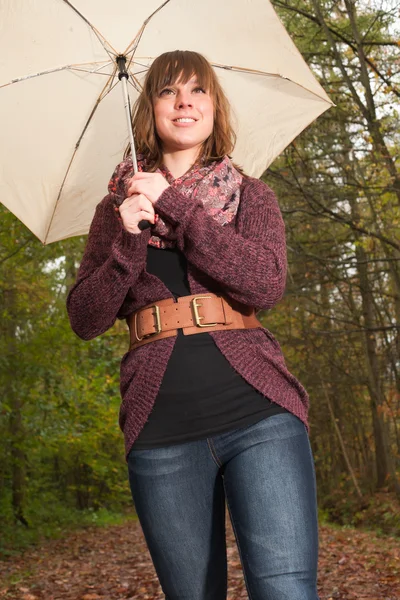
(193, 314)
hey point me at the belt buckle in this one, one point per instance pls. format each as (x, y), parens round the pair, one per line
(197, 317)
(158, 329)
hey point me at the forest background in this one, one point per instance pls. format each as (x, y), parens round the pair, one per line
(62, 460)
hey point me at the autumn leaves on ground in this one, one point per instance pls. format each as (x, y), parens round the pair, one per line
(113, 563)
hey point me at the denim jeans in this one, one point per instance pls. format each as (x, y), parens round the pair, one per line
(265, 474)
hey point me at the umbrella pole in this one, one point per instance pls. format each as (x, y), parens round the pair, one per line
(123, 76)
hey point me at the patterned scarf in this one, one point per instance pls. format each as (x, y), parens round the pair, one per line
(217, 185)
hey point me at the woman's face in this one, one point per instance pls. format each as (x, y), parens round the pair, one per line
(184, 116)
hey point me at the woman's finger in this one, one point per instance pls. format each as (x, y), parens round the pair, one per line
(132, 188)
(147, 216)
(138, 201)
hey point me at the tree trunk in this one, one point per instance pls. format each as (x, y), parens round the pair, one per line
(13, 399)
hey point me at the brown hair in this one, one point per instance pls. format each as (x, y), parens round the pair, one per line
(168, 68)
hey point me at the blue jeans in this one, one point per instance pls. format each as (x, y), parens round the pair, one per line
(265, 473)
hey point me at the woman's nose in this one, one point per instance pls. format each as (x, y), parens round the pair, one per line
(183, 99)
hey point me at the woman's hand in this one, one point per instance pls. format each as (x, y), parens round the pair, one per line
(135, 209)
(150, 185)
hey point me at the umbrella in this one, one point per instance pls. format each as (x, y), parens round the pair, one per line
(62, 119)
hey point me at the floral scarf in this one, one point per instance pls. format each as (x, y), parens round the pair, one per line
(217, 185)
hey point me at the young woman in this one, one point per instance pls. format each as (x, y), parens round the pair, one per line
(210, 414)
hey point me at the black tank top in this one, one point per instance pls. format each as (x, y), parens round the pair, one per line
(195, 403)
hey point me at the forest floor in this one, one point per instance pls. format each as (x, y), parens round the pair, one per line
(113, 563)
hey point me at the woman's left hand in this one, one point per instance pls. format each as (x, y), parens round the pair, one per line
(150, 185)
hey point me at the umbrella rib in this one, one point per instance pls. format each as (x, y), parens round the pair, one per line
(145, 67)
(71, 67)
(142, 71)
(106, 45)
(135, 83)
(102, 95)
(156, 11)
(276, 75)
(131, 48)
(96, 72)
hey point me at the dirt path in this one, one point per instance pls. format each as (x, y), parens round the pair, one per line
(113, 563)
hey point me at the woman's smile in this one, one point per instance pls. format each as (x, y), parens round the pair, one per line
(184, 122)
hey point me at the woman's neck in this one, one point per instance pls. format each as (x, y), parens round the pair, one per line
(178, 163)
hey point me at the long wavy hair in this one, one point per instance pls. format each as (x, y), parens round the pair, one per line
(167, 69)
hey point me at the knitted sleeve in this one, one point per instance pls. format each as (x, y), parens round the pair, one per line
(111, 264)
(250, 262)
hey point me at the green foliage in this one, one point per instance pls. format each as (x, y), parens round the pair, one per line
(51, 518)
(62, 451)
(379, 512)
(382, 513)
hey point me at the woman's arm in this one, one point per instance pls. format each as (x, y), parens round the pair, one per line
(111, 264)
(251, 261)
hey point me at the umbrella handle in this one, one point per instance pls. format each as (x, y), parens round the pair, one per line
(144, 225)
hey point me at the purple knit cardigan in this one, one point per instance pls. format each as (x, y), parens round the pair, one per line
(244, 260)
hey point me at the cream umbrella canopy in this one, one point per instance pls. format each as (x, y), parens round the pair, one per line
(62, 119)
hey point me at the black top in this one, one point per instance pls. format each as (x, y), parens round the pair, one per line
(194, 403)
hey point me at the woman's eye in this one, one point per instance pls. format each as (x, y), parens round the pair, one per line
(166, 92)
(199, 89)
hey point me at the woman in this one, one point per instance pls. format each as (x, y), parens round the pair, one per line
(213, 418)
